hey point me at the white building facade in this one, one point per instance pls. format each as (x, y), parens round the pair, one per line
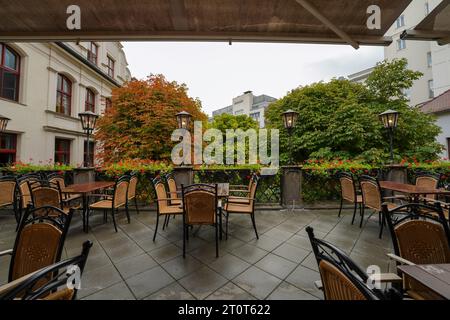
(43, 88)
(250, 105)
(424, 56)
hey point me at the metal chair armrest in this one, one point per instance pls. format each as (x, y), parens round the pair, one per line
(6, 252)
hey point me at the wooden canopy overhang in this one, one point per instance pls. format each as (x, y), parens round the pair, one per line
(296, 21)
(435, 27)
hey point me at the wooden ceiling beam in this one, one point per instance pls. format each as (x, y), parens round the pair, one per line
(342, 34)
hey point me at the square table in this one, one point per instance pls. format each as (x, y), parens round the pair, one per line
(435, 277)
(412, 190)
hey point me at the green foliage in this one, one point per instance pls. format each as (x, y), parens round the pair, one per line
(228, 121)
(339, 119)
(23, 168)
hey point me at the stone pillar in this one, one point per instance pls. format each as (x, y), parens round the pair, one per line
(396, 173)
(291, 187)
(184, 175)
(83, 175)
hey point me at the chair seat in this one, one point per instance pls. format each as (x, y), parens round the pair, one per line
(175, 202)
(103, 204)
(169, 210)
(71, 197)
(238, 208)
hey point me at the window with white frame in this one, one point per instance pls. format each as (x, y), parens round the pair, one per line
(429, 60)
(430, 88)
(401, 21)
(401, 44)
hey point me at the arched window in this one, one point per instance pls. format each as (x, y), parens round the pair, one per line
(64, 95)
(9, 73)
(90, 100)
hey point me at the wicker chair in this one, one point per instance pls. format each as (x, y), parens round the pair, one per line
(39, 242)
(200, 208)
(113, 203)
(48, 283)
(23, 199)
(373, 199)
(243, 205)
(132, 188)
(164, 208)
(58, 179)
(349, 193)
(174, 193)
(44, 193)
(420, 235)
(8, 194)
(341, 278)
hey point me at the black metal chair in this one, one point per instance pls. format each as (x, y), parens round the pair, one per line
(342, 278)
(55, 282)
(23, 193)
(39, 241)
(200, 207)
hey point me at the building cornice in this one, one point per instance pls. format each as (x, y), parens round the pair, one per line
(87, 63)
(63, 131)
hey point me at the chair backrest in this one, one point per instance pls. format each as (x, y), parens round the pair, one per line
(162, 201)
(53, 282)
(200, 204)
(120, 191)
(45, 193)
(348, 186)
(428, 181)
(420, 233)
(24, 190)
(342, 279)
(7, 191)
(172, 184)
(57, 179)
(40, 240)
(132, 187)
(371, 192)
(253, 189)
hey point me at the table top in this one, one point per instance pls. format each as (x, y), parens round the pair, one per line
(436, 277)
(88, 187)
(410, 188)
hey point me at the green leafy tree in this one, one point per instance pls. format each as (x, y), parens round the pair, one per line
(339, 119)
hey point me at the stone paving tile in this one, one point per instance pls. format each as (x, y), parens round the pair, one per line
(257, 282)
(128, 264)
(172, 292)
(203, 282)
(149, 282)
(230, 291)
(118, 291)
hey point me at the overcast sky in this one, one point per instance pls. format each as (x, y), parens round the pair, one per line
(217, 72)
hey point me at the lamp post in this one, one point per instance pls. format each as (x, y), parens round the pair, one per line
(88, 122)
(290, 118)
(389, 119)
(184, 121)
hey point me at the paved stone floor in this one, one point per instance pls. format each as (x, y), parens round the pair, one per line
(280, 265)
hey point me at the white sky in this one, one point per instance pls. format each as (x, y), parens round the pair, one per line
(217, 72)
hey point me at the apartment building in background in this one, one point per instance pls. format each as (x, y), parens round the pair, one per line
(427, 57)
(43, 88)
(250, 105)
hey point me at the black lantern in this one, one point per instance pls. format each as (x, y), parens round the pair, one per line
(88, 122)
(290, 119)
(3, 123)
(184, 120)
(389, 119)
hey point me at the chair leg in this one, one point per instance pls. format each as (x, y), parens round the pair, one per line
(254, 225)
(184, 240)
(340, 209)
(217, 239)
(165, 221)
(105, 216)
(156, 229)
(382, 225)
(114, 220)
(226, 226)
(136, 205)
(354, 212)
(127, 211)
(363, 208)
